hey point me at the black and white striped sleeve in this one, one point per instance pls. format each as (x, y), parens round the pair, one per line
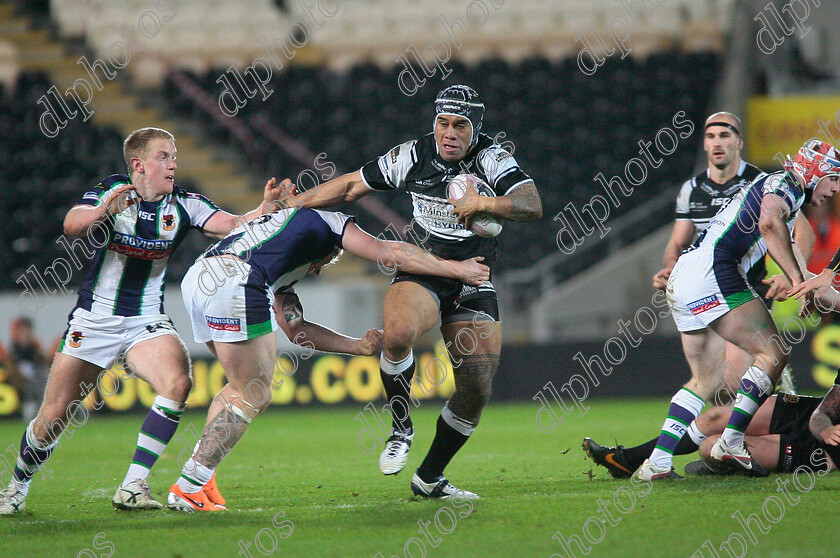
(683, 209)
(388, 172)
(502, 170)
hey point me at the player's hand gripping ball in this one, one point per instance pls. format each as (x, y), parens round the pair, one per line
(482, 224)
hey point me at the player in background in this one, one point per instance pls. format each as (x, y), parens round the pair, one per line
(709, 295)
(778, 435)
(27, 365)
(243, 287)
(699, 199)
(470, 321)
(135, 222)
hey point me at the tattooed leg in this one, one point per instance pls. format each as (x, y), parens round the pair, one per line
(473, 379)
(225, 429)
(247, 393)
(460, 416)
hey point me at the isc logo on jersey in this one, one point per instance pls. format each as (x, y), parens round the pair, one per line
(706, 303)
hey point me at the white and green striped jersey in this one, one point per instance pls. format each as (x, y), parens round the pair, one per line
(133, 248)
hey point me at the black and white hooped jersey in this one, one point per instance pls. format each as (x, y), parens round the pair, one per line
(700, 198)
(281, 245)
(416, 167)
(133, 248)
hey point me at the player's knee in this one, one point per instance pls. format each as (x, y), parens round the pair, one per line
(715, 414)
(723, 396)
(399, 340)
(176, 388)
(710, 418)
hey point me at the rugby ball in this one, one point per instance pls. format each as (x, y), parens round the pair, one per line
(483, 224)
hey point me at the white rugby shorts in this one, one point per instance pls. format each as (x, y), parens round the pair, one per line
(101, 339)
(227, 308)
(701, 290)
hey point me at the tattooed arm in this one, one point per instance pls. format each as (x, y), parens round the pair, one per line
(824, 420)
(289, 314)
(523, 204)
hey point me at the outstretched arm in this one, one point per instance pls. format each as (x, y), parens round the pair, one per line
(410, 258)
(289, 315)
(345, 188)
(222, 222)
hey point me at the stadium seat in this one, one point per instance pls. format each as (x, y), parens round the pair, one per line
(355, 115)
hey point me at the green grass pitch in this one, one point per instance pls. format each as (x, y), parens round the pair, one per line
(305, 463)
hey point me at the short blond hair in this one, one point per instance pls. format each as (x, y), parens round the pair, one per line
(137, 143)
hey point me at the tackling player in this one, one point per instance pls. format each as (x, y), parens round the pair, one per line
(135, 222)
(242, 288)
(470, 322)
(709, 295)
